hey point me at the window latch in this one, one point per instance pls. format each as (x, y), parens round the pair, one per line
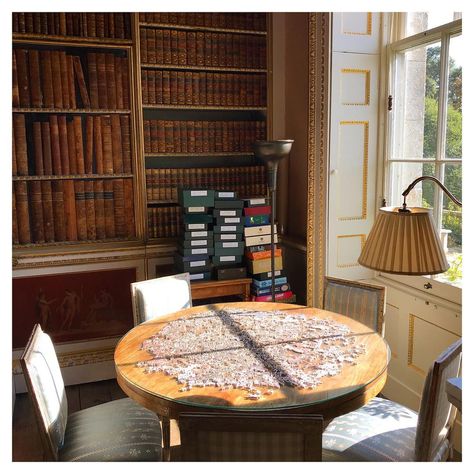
(390, 102)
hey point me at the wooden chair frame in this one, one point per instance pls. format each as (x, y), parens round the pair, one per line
(365, 286)
(311, 426)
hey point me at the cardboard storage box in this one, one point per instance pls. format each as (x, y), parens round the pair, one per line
(199, 234)
(229, 220)
(197, 226)
(202, 276)
(260, 240)
(264, 265)
(204, 264)
(204, 251)
(189, 244)
(227, 237)
(228, 248)
(196, 197)
(228, 229)
(261, 219)
(226, 195)
(226, 259)
(261, 230)
(197, 219)
(229, 204)
(255, 202)
(230, 273)
(227, 212)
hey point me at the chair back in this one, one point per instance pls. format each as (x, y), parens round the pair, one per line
(160, 296)
(363, 302)
(46, 387)
(250, 437)
(437, 414)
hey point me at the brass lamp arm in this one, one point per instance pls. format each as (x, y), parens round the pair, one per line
(431, 178)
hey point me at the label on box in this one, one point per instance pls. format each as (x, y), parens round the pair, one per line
(197, 263)
(230, 220)
(230, 244)
(229, 227)
(197, 251)
(228, 236)
(196, 226)
(196, 276)
(255, 202)
(227, 258)
(198, 193)
(199, 234)
(197, 243)
(225, 195)
(227, 213)
(196, 209)
(277, 273)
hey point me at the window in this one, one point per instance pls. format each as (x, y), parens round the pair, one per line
(425, 126)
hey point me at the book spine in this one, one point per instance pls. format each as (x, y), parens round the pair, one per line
(71, 84)
(107, 144)
(55, 146)
(174, 47)
(191, 48)
(23, 215)
(36, 211)
(109, 208)
(70, 210)
(166, 47)
(151, 45)
(116, 144)
(80, 210)
(151, 87)
(56, 77)
(173, 87)
(102, 80)
(166, 88)
(64, 80)
(63, 145)
(23, 80)
(34, 78)
(48, 217)
(47, 79)
(161, 137)
(19, 134)
(15, 238)
(110, 77)
(158, 87)
(15, 87)
(126, 144)
(81, 82)
(93, 79)
(144, 81)
(119, 208)
(58, 211)
(88, 165)
(90, 209)
(79, 145)
(159, 46)
(182, 55)
(143, 46)
(99, 209)
(118, 82)
(71, 147)
(125, 83)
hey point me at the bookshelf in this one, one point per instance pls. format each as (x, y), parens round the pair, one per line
(203, 99)
(74, 147)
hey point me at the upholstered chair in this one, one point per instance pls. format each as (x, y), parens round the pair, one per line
(160, 296)
(250, 437)
(120, 430)
(384, 430)
(363, 302)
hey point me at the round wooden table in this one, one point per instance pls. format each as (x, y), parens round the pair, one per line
(352, 388)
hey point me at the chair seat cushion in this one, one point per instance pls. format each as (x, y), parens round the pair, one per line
(382, 430)
(121, 430)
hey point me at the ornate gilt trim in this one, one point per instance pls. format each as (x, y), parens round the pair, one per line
(368, 31)
(319, 54)
(366, 72)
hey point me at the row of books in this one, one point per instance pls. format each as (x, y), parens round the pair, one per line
(187, 136)
(55, 79)
(239, 21)
(72, 210)
(71, 145)
(164, 221)
(93, 25)
(198, 48)
(162, 183)
(203, 88)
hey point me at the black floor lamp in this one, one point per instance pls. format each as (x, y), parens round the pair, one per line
(271, 152)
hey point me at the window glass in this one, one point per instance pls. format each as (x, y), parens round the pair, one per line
(422, 21)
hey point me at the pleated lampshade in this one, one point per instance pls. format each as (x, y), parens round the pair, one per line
(405, 243)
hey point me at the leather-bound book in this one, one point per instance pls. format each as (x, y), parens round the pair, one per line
(200, 49)
(221, 49)
(14, 165)
(93, 80)
(214, 49)
(127, 25)
(109, 208)
(36, 211)
(202, 88)
(88, 158)
(91, 25)
(182, 55)
(148, 184)
(217, 96)
(169, 143)
(118, 82)
(191, 137)
(90, 209)
(79, 145)
(154, 136)
(55, 146)
(195, 88)
(100, 24)
(23, 215)
(212, 136)
(126, 143)
(19, 135)
(107, 144)
(158, 87)
(207, 49)
(71, 84)
(183, 133)
(209, 89)
(58, 211)
(56, 78)
(117, 144)
(34, 78)
(125, 83)
(151, 45)
(111, 19)
(188, 88)
(191, 59)
(15, 239)
(174, 87)
(144, 83)
(177, 136)
(63, 145)
(81, 82)
(161, 137)
(157, 190)
(15, 87)
(159, 56)
(166, 88)
(102, 80)
(81, 218)
(147, 135)
(71, 139)
(225, 137)
(174, 47)
(205, 137)
(167, 47)
(110, 75)
(119, 25)
(69, 24)
(181, 88)
(99, 209)
(47, 79)
(46, 146)
(70, 210)
(143, 46)
(119, 207)
(64, 80)
(23, 79)
(98, 150)
(151, 87)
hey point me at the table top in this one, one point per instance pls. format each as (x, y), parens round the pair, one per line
(337, 394)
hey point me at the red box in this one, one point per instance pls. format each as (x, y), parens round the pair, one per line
(256, 211)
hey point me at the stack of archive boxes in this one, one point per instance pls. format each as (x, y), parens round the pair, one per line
(196, 244)
(228, 240)
(257, 232)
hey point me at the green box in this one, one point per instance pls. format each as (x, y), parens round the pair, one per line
(227, 212)
(229, 248)
(225, 195)
(228, 229)
(229, 220)
(197, 219)
(195, 210)
(195, 243)
(193, 226)
(226, 259)
(204, 251)
(193, 265)
(200, 276)
(228, 237)
(196, 197)
(198, 234)
(229, 204)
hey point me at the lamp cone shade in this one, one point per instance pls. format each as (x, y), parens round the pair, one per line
(405, 243)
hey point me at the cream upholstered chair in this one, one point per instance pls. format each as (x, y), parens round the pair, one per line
(115, 431)
(160, 296)
(363, 302)
(383, 430)
(250, 437)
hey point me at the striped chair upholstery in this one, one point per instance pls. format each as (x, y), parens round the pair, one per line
(360, 301)
(160, 296)
(384, 430)
(116, 431)
(250, 437)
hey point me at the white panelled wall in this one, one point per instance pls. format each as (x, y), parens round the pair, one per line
(419, 323)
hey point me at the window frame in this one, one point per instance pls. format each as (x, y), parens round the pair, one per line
(442, 34)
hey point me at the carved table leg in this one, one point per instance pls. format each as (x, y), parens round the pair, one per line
(166, 433)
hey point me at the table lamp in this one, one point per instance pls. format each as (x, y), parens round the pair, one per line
(404, 240)
(271, 153)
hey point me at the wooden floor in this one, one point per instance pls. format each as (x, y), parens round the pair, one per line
(26, 441)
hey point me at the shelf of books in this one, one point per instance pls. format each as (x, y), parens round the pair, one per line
(204, 104)
(73, 147)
